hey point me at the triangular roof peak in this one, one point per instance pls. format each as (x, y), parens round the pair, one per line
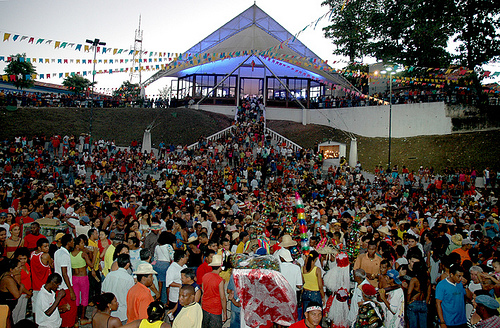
(253, 16)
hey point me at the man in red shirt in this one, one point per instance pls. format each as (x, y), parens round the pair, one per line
(30, 241)
(313, 316)
(40, 266)
(139, 297)
(214, 298)
(205, 266)
(24, 218)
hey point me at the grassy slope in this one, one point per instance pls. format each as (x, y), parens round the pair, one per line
(184, 126)
(172, 125)
(476, 149)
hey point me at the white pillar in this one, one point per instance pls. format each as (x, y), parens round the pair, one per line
(304, 116)
(146, 141)
(353, 153)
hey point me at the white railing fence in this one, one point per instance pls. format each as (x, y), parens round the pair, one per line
(279, 139)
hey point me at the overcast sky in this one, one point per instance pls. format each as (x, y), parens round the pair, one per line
(168, 26)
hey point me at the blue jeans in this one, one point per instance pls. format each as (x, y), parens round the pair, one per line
(417, 314)
(235, 317)
(309, 296)
(161, 267)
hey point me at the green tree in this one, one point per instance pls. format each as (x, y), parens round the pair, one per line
(357, 74)
(410, 32)
(413, 32)
(22, 69)
(478, 32)
(479, 39)
(77, 83)
(128, 90)
(349, 31)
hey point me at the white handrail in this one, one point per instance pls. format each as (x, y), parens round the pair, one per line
(280, 139)
(215, 136)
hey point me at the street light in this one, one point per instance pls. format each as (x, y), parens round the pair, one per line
(94, 43)
(390, 70)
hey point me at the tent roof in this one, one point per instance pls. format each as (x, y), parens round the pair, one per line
(252, 30)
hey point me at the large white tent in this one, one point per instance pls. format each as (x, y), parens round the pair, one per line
(260, 47)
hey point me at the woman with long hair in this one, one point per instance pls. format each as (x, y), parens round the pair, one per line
(419, 295)
(103, 243)
(163, 256)
(10, 288)
(3, 238)
(14, 241)
(105, 304)
(313, 281)
(19, 313)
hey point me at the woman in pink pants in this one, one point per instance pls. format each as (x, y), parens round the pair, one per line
(80, 260)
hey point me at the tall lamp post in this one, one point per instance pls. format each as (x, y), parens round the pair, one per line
(390, 70)
(94, 43)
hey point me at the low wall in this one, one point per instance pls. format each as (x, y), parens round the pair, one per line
(408, 120)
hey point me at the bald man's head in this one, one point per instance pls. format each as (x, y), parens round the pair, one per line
(186, 295)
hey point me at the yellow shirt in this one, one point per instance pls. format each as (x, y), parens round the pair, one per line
(189, 316)
(311, 280)
(95, 248)
(240, 248)
(108, 259)
(146, 324)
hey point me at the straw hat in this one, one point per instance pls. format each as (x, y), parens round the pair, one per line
(216, 261)
(325, 250)
(384, 230)
(145, 268)
(287, 241)
(457, 239)
(192, 240)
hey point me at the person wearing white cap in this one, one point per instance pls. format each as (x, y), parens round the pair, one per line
(213, 301)
(290, 271)
(139, 297)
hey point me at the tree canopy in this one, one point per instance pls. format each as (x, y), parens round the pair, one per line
(416, 32)
(22, 69)
(128, 90)
(77, 83)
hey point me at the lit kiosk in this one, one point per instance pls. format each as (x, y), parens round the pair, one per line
(332, 152)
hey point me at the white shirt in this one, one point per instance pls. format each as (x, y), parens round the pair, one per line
(357, 296)
(135, 257)
(62, 259)
(292, 274)
(174, 275)
(44, 301)
(164, 253)
(119, 282)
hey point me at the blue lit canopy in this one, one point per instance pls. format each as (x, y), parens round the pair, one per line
(254, 30)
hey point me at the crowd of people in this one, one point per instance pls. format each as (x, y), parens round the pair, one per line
(91, 234)
(59, 99)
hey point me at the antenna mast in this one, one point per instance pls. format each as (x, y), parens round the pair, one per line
(137, 55)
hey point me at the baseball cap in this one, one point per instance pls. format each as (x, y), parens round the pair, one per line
(466, 241)
(285, 254)
(487, 301)
(393, 274)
